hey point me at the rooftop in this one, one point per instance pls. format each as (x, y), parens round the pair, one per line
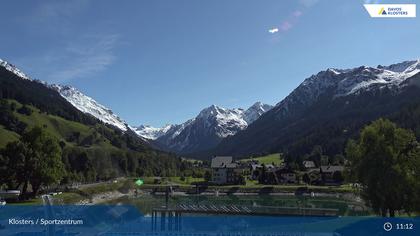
(222, 162)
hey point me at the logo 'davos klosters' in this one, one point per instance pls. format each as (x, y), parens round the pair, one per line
(382, 11)
(391, 10)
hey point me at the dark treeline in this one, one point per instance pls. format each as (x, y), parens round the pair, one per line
(351, 114)
(94, 164)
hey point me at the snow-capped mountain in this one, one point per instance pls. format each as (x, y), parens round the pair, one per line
(255, 111)
(344, 82)
(88, 105)
(328, 108)
(229, 121)
(79, 100)
(224, 122)
(210, 126)
(149, 132)
(13, 69)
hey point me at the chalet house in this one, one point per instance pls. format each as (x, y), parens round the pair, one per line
(256, 169)
(312, 176)
(331, 174)
(287, 176)
(279, 176)
(224, 170)
(309, 165)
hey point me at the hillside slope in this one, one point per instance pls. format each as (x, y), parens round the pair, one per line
(92, 150)
(328, 108)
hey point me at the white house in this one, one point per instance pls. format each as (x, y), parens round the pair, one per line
(224, 170)
(309, 164)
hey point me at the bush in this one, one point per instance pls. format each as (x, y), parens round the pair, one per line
(24, 110)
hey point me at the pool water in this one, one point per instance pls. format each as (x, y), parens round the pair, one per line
(345, 207)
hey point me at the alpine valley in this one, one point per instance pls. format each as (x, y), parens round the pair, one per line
(198, 134)
(205, 131)
(325, 110)
(330, 107)
(95, 144)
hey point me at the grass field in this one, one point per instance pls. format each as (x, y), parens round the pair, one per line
(191, 160)
(101, 188)
(186, 181)
(275, 158)
(57, 126)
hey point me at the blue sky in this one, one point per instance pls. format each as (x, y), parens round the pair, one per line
(157, 62)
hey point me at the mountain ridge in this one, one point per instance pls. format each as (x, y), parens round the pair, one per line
(348, 81)
(241, 115)
(91, 150)
(12, 68)
(75, 97)
(217, 130)
(88, 105)
(308, 110)
(211, 125)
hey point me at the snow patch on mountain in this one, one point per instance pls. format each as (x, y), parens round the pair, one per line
(369, 77)
(344, 82)
(225, 121)
(149, 132)
(222, 121)
(12, 68)
(89, 105)
(76, 98)
(255, 111)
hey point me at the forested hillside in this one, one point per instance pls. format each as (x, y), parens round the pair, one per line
(91, 150)
(328, 122)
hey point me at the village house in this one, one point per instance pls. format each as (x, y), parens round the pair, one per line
(324, 175)
(309, 165)
(256, 169)
(331, 174)
(225, 171)
(278, 175)
(287, 176)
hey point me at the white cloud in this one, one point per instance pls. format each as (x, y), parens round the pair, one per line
(82, 59)
(54, 17)
(73, 51)
(273, 30)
